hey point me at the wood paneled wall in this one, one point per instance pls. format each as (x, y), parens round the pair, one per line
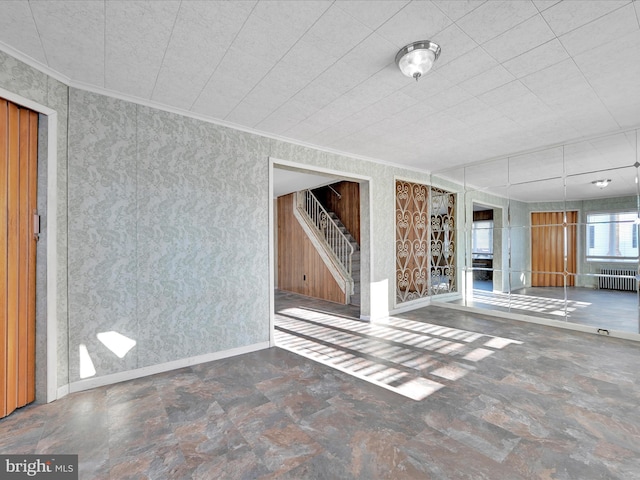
(548, 248)
(18, 183)
(300, 267)
(347, 207)
(482, 215)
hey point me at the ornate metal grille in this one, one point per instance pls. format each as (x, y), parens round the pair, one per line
(443, 231)
(425, 238)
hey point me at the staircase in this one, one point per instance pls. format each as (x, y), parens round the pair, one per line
(354, 298)
(332, 239)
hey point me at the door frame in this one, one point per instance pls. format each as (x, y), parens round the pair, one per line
(366, 234)
(496, 246)
(50, 277)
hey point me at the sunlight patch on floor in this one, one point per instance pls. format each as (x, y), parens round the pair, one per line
(409, 357)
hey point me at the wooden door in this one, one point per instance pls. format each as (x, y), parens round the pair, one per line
(18, 182)
(553, 238)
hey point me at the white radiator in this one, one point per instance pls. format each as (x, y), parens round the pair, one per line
(617, 279)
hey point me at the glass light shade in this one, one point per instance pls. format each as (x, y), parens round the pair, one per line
(416, 59)
(601, 183)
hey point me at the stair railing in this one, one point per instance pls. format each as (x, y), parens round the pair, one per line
(320, 218)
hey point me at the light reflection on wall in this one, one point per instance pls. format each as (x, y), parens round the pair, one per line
(87, 368)
(119, 344)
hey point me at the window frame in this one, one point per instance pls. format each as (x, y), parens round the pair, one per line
(474, 229)
(589, 241)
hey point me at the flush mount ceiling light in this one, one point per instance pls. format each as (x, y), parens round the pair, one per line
(416, 59)
(601, 183)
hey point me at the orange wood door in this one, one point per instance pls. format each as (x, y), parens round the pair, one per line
(553, 238)
(18, 182)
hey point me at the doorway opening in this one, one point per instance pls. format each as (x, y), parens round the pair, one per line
(483, 247)
(299, 265)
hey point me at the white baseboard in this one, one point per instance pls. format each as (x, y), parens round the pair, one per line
(62, 391)
(376, 318)
(103, 380)
(412, 305)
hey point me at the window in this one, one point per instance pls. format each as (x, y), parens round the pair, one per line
(482, 237)
(612, 236)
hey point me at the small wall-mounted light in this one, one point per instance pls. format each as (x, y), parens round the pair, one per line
(602, 183)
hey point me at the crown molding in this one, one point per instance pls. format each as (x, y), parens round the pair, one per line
(37, 65)
(33, 63)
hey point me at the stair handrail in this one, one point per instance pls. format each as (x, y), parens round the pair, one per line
(328, 228)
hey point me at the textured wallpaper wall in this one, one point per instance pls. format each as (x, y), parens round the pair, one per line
(203, 237)
(102, 229)
(168, 235)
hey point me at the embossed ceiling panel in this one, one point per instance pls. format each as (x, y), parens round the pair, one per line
(512, 76)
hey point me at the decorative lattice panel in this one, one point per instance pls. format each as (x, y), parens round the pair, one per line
(442, 245)
(425, 237)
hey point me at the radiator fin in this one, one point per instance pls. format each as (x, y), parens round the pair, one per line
(617, 279)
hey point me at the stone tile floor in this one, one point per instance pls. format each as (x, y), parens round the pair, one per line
(409, 357)
(560, 404)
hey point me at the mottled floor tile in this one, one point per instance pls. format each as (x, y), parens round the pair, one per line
(563, 460)
(485, 437)
(275, 439)
(518, 401)
(433, 454)
(157, 462)
(21, 431)
(299, 403)
(321, 467)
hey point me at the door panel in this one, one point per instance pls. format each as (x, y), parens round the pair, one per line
(4, 108)
(12, 162)
(551, 239)
(18, 182)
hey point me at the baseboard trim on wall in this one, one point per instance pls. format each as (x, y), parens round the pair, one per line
(411, 305)
(62, 391)
(103, 380)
